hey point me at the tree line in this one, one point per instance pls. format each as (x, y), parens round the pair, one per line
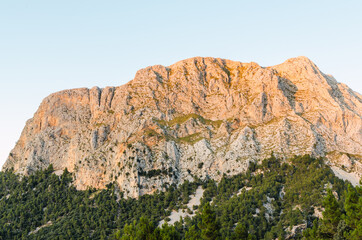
(272, 199)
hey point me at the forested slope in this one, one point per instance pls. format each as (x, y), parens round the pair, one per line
(272, 200)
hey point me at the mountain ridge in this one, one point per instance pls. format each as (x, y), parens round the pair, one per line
(201, 117)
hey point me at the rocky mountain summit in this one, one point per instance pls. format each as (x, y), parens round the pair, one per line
(200, 117)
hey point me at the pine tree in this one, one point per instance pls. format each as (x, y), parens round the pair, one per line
(192, 234)
(240, 232)
(353, 208)
(209, 226)
(331, 215)
(129, 231)
(167, 232)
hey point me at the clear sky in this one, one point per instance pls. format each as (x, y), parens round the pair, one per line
(47, 46)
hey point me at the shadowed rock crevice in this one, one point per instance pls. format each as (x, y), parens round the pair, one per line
(319, 146)
(337, 95)
(264, 102)
(288, 89)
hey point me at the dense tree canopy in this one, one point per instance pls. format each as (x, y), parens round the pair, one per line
(273, 199)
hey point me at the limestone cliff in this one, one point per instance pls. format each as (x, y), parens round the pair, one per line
(201, 117)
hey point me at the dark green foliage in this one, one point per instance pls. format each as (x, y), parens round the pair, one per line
(208, 225)
(240, 232)
(264, 203)
(292, 189)
(193, 233)
(44, 199)
(168, 232)
(353, 209)
(341, 220)
(153, 173)
(146, 230)
(331, 215)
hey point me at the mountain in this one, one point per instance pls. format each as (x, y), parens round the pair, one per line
(200, 117)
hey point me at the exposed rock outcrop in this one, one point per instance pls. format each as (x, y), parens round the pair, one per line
(200, 117)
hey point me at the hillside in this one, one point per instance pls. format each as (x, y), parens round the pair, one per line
(274, 199)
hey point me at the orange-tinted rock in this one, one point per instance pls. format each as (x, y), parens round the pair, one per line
(158, 128)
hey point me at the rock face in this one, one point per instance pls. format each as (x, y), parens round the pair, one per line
(201, 117)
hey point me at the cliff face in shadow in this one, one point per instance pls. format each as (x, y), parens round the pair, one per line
(201, 117)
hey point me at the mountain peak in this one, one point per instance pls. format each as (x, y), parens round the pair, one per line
(200, 117)
(293, 64)
(299, 59)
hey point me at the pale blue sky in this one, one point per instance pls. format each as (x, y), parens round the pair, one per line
(47, 46)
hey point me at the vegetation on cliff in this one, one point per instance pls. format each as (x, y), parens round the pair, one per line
(274, 199)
